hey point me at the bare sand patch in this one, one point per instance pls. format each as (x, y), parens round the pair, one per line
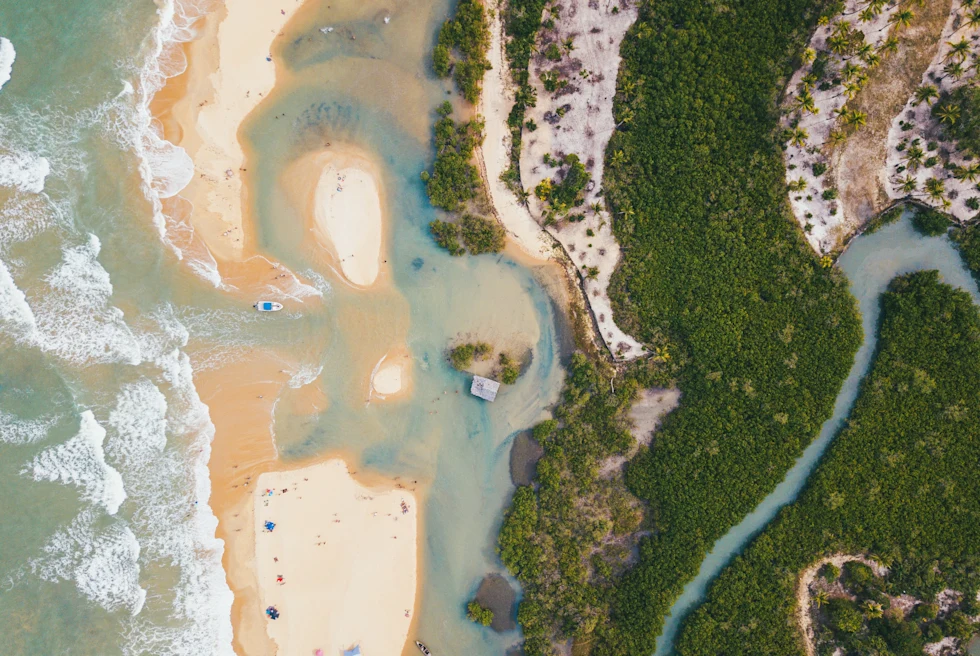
(646, 415)
(339, 564)
(338, 190)
(391, 376)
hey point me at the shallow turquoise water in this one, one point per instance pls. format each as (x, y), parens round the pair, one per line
(871, 262)
(108, 543)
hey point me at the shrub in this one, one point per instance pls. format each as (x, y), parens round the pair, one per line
(553, 52)
(479, 614)
(930, 222)
(454, 179)
(462, 45)
(819, 168)
(829, 194)
(844, 615)
(447, 236)
(481, 235)
(510, 370)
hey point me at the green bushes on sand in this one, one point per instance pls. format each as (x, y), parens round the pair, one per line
(454, 179)
(462, 356)
(898, 484)
(930, 222)
(477, 613)
(462, 48)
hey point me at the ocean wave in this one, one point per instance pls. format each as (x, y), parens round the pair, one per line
(16, 316)
(305, 375)
(14, 430)
(139, 421)
(23, 171)
(103, 564)
(81, 461)
(74, 316)
(7, 56)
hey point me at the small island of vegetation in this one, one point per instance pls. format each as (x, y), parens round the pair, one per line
(477, 613)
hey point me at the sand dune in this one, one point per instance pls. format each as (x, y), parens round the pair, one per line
(347, 557)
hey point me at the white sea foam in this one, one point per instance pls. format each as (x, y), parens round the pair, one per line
(23, 171)
(81, 461)
(14, 430)
(74, 316)
(104, 564)
(140, 424)
(319, 282)
(16, 316)
(7, 56)
(305, 375)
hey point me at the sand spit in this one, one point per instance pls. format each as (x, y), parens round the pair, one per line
(231, 72)
(585, 131)
(916, 122)
(340, 563)
(807, 577)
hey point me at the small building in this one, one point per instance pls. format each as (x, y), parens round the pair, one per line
(484, 388)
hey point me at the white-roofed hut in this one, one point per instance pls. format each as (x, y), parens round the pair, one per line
(484, 388)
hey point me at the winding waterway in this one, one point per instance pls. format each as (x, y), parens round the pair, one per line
(870, 263)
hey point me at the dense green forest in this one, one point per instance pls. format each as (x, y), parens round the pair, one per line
(715, 270)
(898, 483)
(967, 240)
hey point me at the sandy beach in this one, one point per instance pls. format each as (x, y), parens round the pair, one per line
(231, 71)
(391, 376)
(339, 564)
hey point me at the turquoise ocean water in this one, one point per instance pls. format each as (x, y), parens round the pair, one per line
(109, 309)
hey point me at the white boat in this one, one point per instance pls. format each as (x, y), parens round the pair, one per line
(423, 648)
(268, 306)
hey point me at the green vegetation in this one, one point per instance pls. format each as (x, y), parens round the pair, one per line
(522, 20)
(959, 116)
(967, 240)
(898, 484)
(462, 356)
(715, 270)
(859, 617)
(454, 179)
(569, 540)
(930, 222)
(462, 48)
(478, 234)
(479, 614)
(885, 218)
(510, 370)
(565, 191)
(481, 235)
(447, 236)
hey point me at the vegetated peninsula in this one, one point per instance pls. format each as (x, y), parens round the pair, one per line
(716, 277)
(898, 487)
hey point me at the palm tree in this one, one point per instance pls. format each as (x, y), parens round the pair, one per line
(849, 71)
(798, 137)
(820, 598)
(872, 59)
(808, 81)
(958, 50)
(972, 20)
(808, 56)
(909, 184)
(569, 44)
(806, 103)
(837, 137)
(902, 18)
(856, 118)
(851, 89)
(913, 157)
(619, 157)
(936, 189)
(872, 609)
(889, 45)
(955, 69)
(867, 15)
(969, 173)
(597, 207)
(839, 45)
(925, 94)
(948, 113)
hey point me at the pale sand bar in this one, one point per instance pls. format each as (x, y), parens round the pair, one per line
(347, 212)
(348, 556)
